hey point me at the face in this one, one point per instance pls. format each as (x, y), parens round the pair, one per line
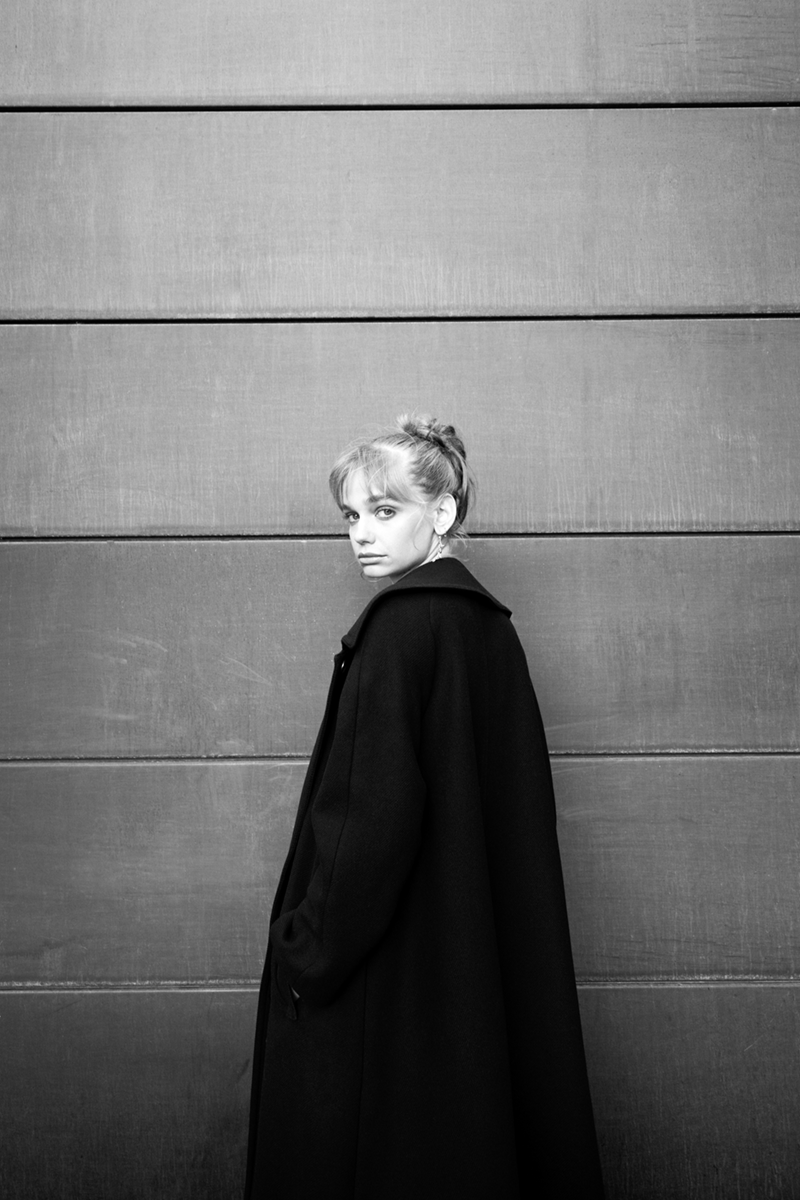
(389, 536)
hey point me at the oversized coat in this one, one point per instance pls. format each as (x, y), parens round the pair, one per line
(435, 1049)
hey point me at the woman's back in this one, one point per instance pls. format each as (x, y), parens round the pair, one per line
(423, 925)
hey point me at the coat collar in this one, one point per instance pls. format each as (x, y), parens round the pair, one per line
(448, 574)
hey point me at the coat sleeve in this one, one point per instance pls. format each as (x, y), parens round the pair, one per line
(367, 813)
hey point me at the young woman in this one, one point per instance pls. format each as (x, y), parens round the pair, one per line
(418, 1033)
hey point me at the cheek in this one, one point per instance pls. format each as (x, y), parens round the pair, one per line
(411, 537)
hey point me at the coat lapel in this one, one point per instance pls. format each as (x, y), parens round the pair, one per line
(448, 574)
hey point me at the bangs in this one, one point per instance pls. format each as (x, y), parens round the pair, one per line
(386, 474)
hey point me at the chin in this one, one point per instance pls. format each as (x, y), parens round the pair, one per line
(375, 570)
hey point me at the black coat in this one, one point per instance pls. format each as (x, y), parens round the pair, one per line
(435, 1050)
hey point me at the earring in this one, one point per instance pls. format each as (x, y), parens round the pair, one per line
(439, 551)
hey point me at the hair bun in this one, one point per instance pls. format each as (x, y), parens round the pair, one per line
(428, 429)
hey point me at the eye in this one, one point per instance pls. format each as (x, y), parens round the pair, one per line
(350, 517)
(385, 513)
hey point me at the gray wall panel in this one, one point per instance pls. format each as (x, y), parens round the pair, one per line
(572, 426)
(399, 213)
(133, 872)
(125, 1094)
(133, 1094)
(695, 1090)
(262, 51)
(223, 647)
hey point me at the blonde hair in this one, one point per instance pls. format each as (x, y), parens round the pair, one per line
(419, 460)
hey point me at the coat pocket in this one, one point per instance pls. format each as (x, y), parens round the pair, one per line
(283, 990)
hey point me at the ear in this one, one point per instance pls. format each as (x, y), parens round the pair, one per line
(444, 515)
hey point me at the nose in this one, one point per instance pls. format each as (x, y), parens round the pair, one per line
(362, 533)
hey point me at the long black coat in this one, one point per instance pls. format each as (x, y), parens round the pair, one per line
(435, 1050)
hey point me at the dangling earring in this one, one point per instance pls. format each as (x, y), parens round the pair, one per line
(439, 551)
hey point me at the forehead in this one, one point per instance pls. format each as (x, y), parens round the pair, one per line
(361, 491)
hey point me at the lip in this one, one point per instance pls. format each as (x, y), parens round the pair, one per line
(370, 557)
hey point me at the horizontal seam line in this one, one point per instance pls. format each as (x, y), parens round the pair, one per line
(252, 985)
(303, 758)
(698, 981)
(584, 105)
(507, 535)
(106, 987)
(764, 314)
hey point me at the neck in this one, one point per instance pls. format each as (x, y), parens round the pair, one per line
(437, 550)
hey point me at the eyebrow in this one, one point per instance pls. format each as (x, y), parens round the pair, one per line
(375, 498)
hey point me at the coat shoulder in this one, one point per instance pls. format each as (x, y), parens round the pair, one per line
(422, 618)
(447, 577)
(455, 611)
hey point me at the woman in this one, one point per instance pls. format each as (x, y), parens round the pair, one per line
(418, 1032)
